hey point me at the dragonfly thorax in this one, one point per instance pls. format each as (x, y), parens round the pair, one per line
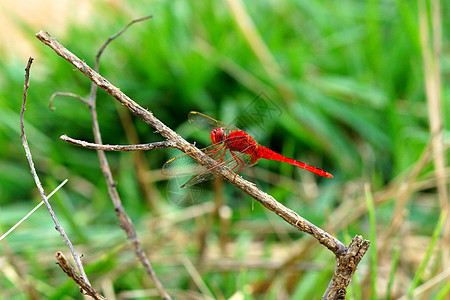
(217, 135)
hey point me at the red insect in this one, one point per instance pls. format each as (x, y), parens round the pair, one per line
(232, 148)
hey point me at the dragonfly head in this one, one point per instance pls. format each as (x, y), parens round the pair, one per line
(217, 135)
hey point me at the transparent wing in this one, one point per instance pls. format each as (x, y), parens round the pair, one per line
(200, 178)
(236, 162)
(207, 123)
(184, 165)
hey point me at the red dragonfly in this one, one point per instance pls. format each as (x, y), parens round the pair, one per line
(232, 148)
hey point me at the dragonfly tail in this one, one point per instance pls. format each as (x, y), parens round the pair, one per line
(266, 153)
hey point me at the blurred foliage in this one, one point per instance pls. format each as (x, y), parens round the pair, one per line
(346, 79)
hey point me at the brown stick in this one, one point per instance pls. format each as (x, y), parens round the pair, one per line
(333, 244)
(140, 147)
(67, 268)
(58, 226)
(50, 102)
(345, 268)
(124, 219)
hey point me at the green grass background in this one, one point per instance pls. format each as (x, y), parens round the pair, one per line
(348, 80)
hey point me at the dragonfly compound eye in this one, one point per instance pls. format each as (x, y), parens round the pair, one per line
(217, 135)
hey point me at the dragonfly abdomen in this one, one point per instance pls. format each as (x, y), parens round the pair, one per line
(266, 153)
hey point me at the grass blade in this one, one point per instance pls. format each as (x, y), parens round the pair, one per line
(33, 210)
(373, 238)
(434, 238)
(395, 260)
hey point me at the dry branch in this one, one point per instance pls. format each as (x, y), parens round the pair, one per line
(150, 146)
(58, 226)
(345, 268)
(124, 219)
(291, 217)
(67, 268)
(50, 102)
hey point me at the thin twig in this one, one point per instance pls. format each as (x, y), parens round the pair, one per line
(50, 102)
(125, 220)
(70, 271)
(36, 178)
(141, 166)
(140, 147)
(102, 48)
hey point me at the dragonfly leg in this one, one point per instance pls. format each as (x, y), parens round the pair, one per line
(223, 156)
(219, 162)
(238, 162)
(214, 151)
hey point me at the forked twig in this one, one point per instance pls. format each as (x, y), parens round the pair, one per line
(50, 102)
(58, 226)
(125, 221)
(111, 38)
(69, 270)
(345, 268)
(352, 254)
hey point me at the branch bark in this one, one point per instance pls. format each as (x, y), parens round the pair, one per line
(44, 197)
(140, 147)
(67, 268)
(125, 221)
(291, 217)
(345, 268)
